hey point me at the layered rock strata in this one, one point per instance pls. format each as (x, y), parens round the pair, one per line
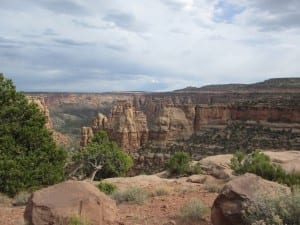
(163, 124)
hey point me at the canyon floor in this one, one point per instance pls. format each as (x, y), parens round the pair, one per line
(156, 210)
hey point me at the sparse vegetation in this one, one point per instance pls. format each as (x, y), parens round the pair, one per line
(21, 198)
(161, 191)
(107, 188)
(261, 165)
(131, 195)
(195, 169)
(179, 163)
(76, 220)
(29, 158)
(4, 199)
(213, 188)
(192, 211)
(183, 190)
(280, 210)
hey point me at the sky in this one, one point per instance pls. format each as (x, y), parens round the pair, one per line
(146, 45)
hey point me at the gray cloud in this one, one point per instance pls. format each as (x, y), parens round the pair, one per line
(274, 15)
(63, 7)
(69, 42)
(124, 20)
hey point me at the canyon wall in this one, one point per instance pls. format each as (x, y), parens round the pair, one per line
(166, 123)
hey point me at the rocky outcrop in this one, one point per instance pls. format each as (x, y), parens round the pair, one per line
(58, 137)
(238, 194)
(163, 123)
(211, 115)
(57, 204)
(86, 135)
(127, 126)
(168, 123)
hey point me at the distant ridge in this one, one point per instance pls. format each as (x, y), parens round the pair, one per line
(274, 83)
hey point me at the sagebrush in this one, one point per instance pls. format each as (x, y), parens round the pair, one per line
(193, 211)
(131, 195)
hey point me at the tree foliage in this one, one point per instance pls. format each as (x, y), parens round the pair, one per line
(28, 155)
(101, 158)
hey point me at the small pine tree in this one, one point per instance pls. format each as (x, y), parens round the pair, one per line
(29, 157)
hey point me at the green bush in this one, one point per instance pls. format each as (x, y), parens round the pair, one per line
(179, 163)
(280, 210)
(131, 195)
(261, 165)
(107, 188)
(28, 155)
(192, 211)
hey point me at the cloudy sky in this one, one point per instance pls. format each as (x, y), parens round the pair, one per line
(150, 45)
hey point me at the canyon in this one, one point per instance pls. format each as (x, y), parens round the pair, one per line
(203, 121)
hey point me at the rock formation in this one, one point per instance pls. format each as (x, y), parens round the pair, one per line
(164, 123)
(58, 137)
(58, 203)
(238, 194)
(40, 102)
(213, 114)
(124, 124)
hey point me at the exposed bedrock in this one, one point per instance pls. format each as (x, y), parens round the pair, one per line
(161, 123)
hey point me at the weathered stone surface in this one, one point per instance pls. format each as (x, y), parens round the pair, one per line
(124, 125)
(237, 195)
(218, 166)
(215, 114)
(127, 126)
(171, 122)
(86, 135)
(288, 160)
(59, 202)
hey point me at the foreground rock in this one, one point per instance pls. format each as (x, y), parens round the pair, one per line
(237, 195)
(56, 204)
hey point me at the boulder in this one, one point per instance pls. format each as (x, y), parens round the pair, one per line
(218, 166)
(238, 194)
(56, 204)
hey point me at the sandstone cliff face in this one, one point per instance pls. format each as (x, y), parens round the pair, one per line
(125, 125)
(211, 115)
(165, 123)
(169, 122)
(86, 135)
